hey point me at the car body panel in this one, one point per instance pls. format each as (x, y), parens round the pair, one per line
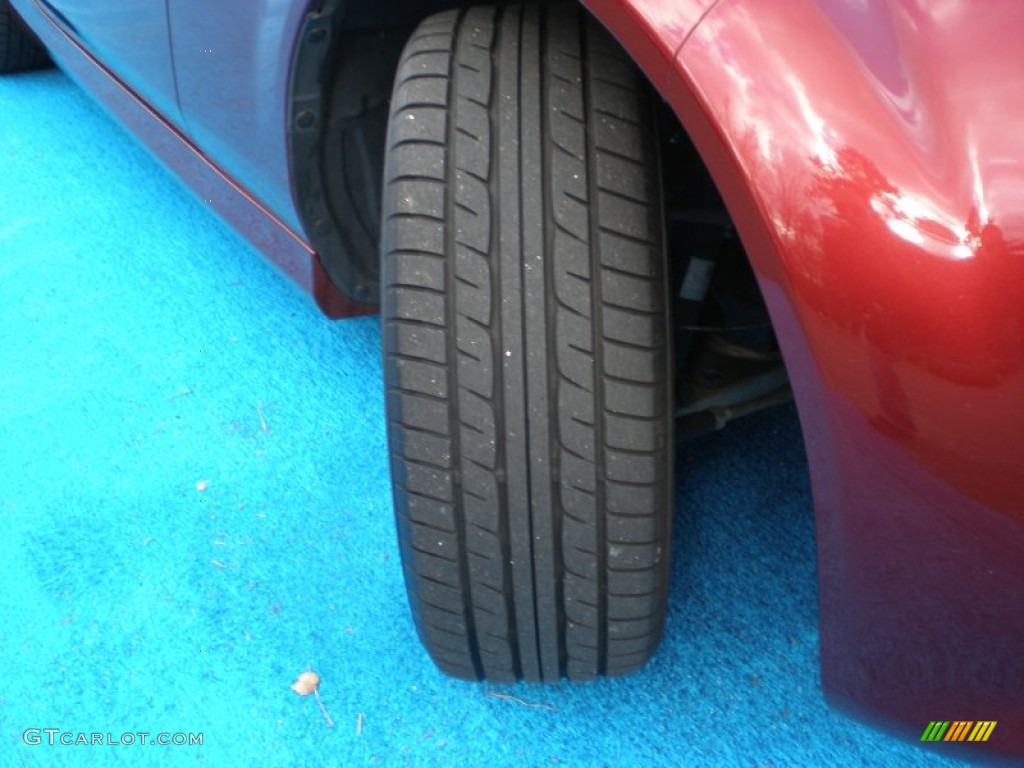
(233, 74)
(651, 30)
(864, 153)
(282, 244)
(131, 38)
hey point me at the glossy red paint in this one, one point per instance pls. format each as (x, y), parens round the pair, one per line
(282, 244)
(865, 153)
(651, 30)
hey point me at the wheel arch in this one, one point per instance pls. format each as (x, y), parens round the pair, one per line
(356, 45)
(337, 36)
(859, 151)
(851, 169)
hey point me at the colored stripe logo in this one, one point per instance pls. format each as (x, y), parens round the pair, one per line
(958, 730)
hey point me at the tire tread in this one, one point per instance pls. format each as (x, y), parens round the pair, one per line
(541, 569)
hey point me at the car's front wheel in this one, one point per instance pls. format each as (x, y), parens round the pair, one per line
(18, 50)
(526, 341)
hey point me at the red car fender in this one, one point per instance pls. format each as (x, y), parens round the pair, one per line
(651, 30)
(869, 155)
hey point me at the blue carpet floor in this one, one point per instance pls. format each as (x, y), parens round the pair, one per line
(194, 506)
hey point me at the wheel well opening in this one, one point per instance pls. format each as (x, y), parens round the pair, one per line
(728, 362)
(343, 69)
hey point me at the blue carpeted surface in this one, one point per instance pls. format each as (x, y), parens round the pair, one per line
(143, 347)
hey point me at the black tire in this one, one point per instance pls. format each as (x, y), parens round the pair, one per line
(526, 346)
(19, 51)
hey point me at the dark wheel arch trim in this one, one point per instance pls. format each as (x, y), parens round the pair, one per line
(339, 202)
(307, 114)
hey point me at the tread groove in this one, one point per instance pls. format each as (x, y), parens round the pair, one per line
(600, 497)
(495, 114)
(450, 171)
